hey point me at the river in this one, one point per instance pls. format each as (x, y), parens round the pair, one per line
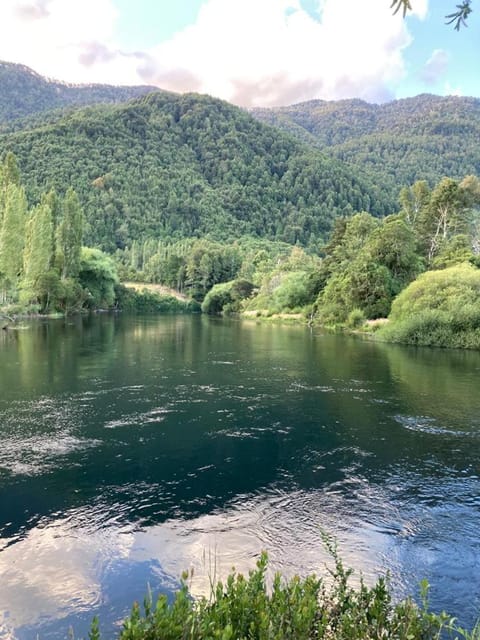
(133, 448)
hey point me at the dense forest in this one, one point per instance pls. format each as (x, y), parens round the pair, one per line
(419, 265)
(44, 266)
(349, 224)
(422, 138)
(182, 166)
(26, 93)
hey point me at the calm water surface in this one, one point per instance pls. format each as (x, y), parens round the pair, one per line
(134, 448)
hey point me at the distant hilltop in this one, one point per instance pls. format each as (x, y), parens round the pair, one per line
(24, 92)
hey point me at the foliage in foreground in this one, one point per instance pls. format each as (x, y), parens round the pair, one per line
(297, 609)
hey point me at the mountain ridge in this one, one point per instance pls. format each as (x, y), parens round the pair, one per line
(167, 165)
(161, 164)
(25, 92)
(425, 137)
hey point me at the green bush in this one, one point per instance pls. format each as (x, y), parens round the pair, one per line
(284, 291)
(296, 609)
(227, 296)
(356, 319)
(98, 276)
(150, 302)
(440, 308)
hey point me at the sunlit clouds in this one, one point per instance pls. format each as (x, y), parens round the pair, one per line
(250, 52)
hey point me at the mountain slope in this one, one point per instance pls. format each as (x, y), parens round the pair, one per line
(168, 165)
(426, 137)
(24, 93)
(175, 166)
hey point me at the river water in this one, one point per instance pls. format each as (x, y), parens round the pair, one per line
(133, 448)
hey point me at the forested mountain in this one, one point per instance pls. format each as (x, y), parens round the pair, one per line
(24, 93)
(421, 138)
(175, 166)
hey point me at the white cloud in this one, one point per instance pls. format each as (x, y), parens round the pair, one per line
(252, 52)
(436, 67)
(56, 38)
(272, 52)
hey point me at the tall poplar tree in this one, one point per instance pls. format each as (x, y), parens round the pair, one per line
(70, 235)
(12, 239)
(52, 200)
(37, 256)
(9, 174)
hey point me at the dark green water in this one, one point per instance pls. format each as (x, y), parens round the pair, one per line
(134, 448)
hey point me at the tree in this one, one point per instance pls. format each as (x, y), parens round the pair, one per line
(52, 200)
(9, 174)
(393, 245)
(70, 235)
(98, 276)
(12, 237)
(369, 263)
(412, 200)
(37, 256)
(448, 213)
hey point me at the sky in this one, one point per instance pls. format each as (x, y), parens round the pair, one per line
(254, 53)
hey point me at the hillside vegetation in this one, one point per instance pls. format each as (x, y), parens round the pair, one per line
(181, 166)
(25, 93)
(422, 138)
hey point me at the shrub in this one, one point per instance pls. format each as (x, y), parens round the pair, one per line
(295, 609)
(146, 301)
(227, 296)
(98, 276)
(356, 319)
(440, 308)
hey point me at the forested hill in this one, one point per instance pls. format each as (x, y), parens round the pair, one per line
(175, 166)
(397, 143)
(23, 93)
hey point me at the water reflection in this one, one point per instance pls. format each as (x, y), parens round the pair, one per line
(135, 448)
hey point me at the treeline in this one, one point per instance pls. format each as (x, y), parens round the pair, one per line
(368, 262)
(174, 166)
(364, 266)
(420, 266)
(193, 266)
(43, 265)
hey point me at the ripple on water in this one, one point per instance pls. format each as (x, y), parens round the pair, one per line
(251, 431)
(155, 416)
(34, 455)
(426, 424)
(35, 434)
